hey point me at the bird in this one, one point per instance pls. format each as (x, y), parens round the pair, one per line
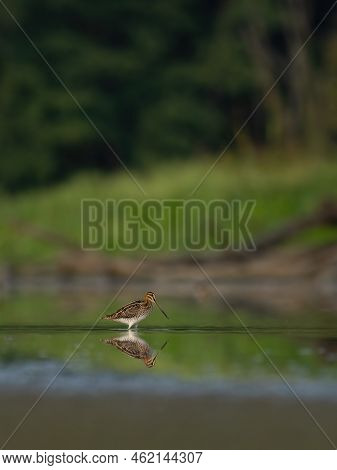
(133, 313)
(132, 345)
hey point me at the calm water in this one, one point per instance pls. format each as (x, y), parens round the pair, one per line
(196, 381)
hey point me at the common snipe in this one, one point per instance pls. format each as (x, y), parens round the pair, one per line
(132, 345)
(136, 311)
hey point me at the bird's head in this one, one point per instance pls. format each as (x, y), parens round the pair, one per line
(150, 297)
(150, 361)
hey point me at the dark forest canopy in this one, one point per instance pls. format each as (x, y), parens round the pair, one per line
(159, 79)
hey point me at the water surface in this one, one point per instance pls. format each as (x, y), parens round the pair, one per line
(201, 380)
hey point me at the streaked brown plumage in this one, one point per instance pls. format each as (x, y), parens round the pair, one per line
(132, 345)
(136, 311)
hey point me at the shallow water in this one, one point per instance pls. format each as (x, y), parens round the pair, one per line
(213, 381)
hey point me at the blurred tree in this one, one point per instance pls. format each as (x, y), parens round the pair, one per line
(159, 80)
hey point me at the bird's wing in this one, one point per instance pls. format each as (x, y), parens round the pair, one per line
(133, 348)
(128, 311)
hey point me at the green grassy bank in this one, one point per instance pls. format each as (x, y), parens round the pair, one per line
(282, 190)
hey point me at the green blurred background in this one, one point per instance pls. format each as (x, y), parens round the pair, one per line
(161, 81)
(168, 85)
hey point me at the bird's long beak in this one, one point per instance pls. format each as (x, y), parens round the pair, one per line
(162, 311)
(163, 346)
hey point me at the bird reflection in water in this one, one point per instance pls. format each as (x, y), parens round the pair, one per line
(134, 346)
